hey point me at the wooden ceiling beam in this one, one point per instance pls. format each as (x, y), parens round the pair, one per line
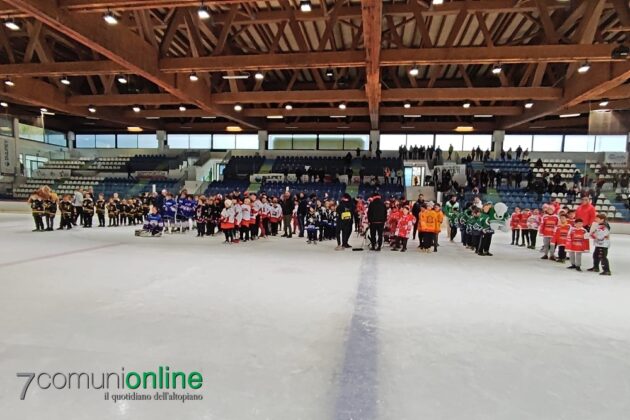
(120, 45)
(372, 29)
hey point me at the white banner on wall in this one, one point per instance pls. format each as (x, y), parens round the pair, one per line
(8, 155)
(458, 172)
(616, 158)
(258, 178)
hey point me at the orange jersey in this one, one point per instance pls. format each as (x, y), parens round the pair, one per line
(439, 218)
(428, 219)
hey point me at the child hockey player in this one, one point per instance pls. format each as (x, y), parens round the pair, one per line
(153, 226)
(264, 213)
(451, 210)
(312, 225)
(474, 228)
(200, 217)
(50, 210)
(577, 243)
(559, 239)
(228, 216)
(274, 215)
(169, 210)
(487, 214)
(88, 210)
(515, 223)
(533, 224)
(427, 226)
(548, 224)
(123, 208)
(601, 240)
(404, 230)
(246, 211)
(99, 206)
(522, 226)
(439, 218)
(66, 209)
(37, 210)
(112, 212)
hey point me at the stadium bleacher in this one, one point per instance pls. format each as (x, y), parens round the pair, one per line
(333, 190)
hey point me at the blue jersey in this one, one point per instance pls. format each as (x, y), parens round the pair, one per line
(154, 220)
(169, 208)
(185, 208)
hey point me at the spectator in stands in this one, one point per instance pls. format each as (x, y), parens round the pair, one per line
(450, 151)
(399, 176)
(378, 153)
(486, 155)
(77, 204)
(586, 212)
(539, 163)
(129, 168)
(287, 214)
(386, 174)
(526, 154)
(502, 154)
(509, 154)
(358, 152)
(479, 153)
(519, 152)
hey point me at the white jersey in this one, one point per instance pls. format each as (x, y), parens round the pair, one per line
(275, 211)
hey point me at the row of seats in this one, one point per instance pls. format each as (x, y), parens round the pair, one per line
(226, 186)
(321, 190)
(243, 166)
(385, 190)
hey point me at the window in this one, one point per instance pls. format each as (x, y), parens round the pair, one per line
(247, 141)
(31, 132)
(547, 143)
(513, 141)
(105, 141)
(223, 141)
(200, 141)
(445, 141)
(418, 140)
(304, 141)
(610, 143)
(86, 141)
(6, 126)
(57, 138)
(352, 141)
(127, 141)
(483, 141)
(392, 141)
(579, 143)
(147, 141)
(177, 141)
(285, 142)
(331, 141)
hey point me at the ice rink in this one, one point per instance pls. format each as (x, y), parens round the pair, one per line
(282, 330)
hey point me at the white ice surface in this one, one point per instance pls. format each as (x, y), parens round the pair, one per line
(457, 336)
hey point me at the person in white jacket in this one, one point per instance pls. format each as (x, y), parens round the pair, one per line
(600, 232)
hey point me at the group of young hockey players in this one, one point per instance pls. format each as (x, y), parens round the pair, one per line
(249, 216)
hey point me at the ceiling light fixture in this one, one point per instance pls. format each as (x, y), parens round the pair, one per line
(484, 116)
(134, 129)
(529, 104)
(92, 109)
(407, 105)
(110, 18)
(437, 2)
(235, 76)
(464, 128)
(182, 108)
(584, 68)
(414, 71)
(11, 24)
(233, 128)
(193, 77)
(603, 103)
(122, 79)
(43, 110)
(412, 116)
(305, 6)
(288, 107)
(329, 73)
(238, 107)
(259, 75)
(4, 104)
(64, 80)
(569, 115)
(9, 82)
(274, 117)
(203, 12)
(342, 105)
(136, 108)
(466, 104)
(497, 69)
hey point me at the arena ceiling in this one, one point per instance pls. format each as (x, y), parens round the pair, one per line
(347, 64)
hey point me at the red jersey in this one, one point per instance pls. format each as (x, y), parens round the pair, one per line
(560, 235)
(392, 220)
(404, 229)
(522, 223)
(577, 240)
(548, 225)
(515, 221)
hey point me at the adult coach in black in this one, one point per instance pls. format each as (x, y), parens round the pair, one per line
(377, 215)
(415, 210)
(345, 211)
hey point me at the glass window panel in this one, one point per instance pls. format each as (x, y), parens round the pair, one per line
(147, 141)
(547, 143)
(484, 141)
(352, 141)
(224, 141)
(611, 143)
(445, 141)
(31, 132)
(281, 142)
(6, 126)
(57, 138)
(86, 141)
(126, 141)
(304, 141)
(177, 141)
(105, 141)
(200, 141)
(392, 141)
(418, 140)
(247, 141)
(579, 143)
(512, 141)
(330, 141)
